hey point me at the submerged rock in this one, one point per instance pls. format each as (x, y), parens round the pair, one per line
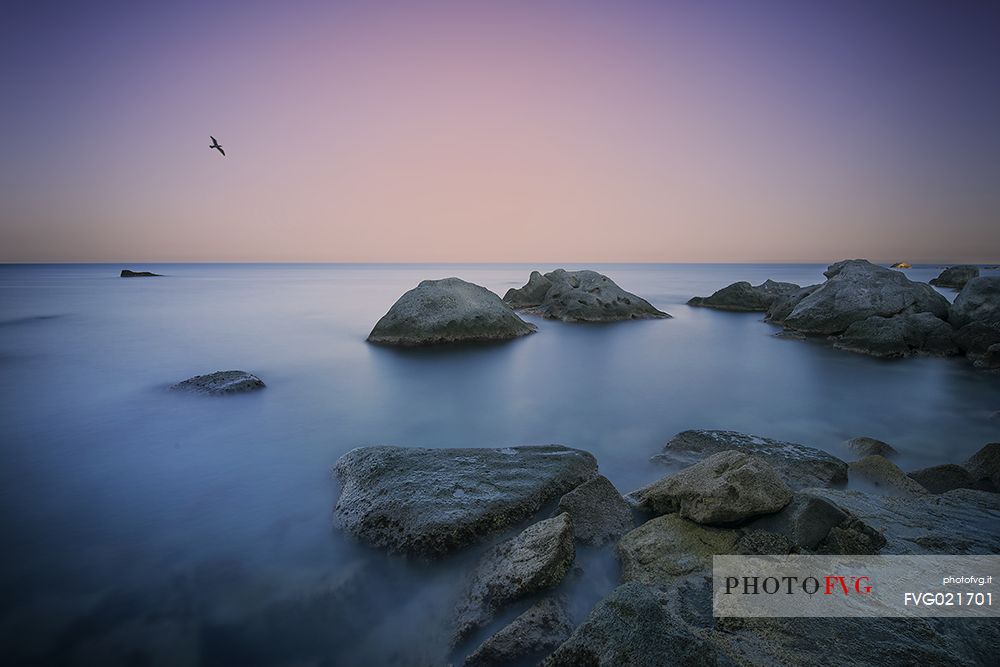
(984, 466)
(448, 311)
(979, 301)
(670, 547)
(535, 560)
(956, 276)
(899, 336)
(430, 502)
(139, 274)
(885, 474)
(722, 489)
(938, 479)
(529, 637)
(856, 290)
(221, 383)
(743, 296)
(579, 296)
(864, 446)
(799, 466)
(599, 512)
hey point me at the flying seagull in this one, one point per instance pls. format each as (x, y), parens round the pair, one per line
(216, 144)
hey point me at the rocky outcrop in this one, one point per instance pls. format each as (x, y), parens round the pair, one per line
(448, 311)
(984, 466)
(899, 336)
(669, 547)
(221, 383)
(956, 276)
(599, 512)
(942, 478)
(799, 466)
(979, 301)
(430, 502)
(856, 290)
(139, 274)
(579, 296)
(535, 560)
(883, 473)
(816, 525)
(724, 488)
(864, 446)
(528, 638)
(743, 296)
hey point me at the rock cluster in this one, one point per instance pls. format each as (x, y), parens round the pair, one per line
(579, 296)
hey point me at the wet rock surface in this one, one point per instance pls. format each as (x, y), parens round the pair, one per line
(580, 296)
(221, 383)
(429, 502)
(742, 296)
(598, 511)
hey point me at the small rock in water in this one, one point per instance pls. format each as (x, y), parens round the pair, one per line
(864, 446)
(220, 383)
(885, 474)
(139, 274)
(743, 296)
(956, 276)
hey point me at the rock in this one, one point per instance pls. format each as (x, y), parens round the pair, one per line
(532, 294)
(962, 521)
(979, 301)
(783, 306)
(529, 637)
(798, 465)
(724, 488)
(990, 360)
(599, 512)
(581, 296)
(902, 265)
(669, 547)
(976, 338)
(899, 336)
(816, 525)
(885, 474)
(852, 537)
(865, 446)
(448, 311)
(763, 543)
(856, 290)
(956, 276)
(938, 479)
(745, 297)
(221, 383)
(430, 502)
(984, 466)
(535, 560)
(633, 627)
(139, 274)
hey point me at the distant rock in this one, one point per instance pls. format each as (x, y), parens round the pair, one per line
(724, 488)
(899, 336)
(984, 465)
(579, 296)
(743, 296)
(956, 276)
(864, 446)
(448, 311)
(221, 383)
(979, 301)
(139, 274)
(817, 525)
(430, 502)
(902, 265)
(670, 547)
(599, 512)
(856, 290)
(941, 478)
(799, 466)
(529, 637)
(535, 560)
(885, 474)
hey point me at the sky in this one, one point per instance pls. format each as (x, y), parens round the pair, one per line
(583, 131)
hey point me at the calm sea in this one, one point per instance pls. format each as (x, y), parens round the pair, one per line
(145, 527)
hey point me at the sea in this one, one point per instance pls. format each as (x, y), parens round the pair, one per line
(148, 527)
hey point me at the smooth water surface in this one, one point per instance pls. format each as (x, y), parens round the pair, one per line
(147, 527)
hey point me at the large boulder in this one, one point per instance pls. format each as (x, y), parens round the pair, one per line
(814, 524)
(984, 466)
(884, 474)
(979, 301)
(864, 446)
(580, 296)
(430, 502)
(942, 478)
(799, 466)
(599, 512)
(448, 311)
(537, 559)
(899, 336)
(743, 296)
(528, 638)
(221, 383)
(956, 276)
(669, 547)
(724, 488)
(856, 290)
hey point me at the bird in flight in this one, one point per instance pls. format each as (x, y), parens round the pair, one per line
(216, 144)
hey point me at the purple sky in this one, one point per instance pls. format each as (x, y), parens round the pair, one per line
(500, 131)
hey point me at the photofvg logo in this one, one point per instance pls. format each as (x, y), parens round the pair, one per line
(788, 586)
